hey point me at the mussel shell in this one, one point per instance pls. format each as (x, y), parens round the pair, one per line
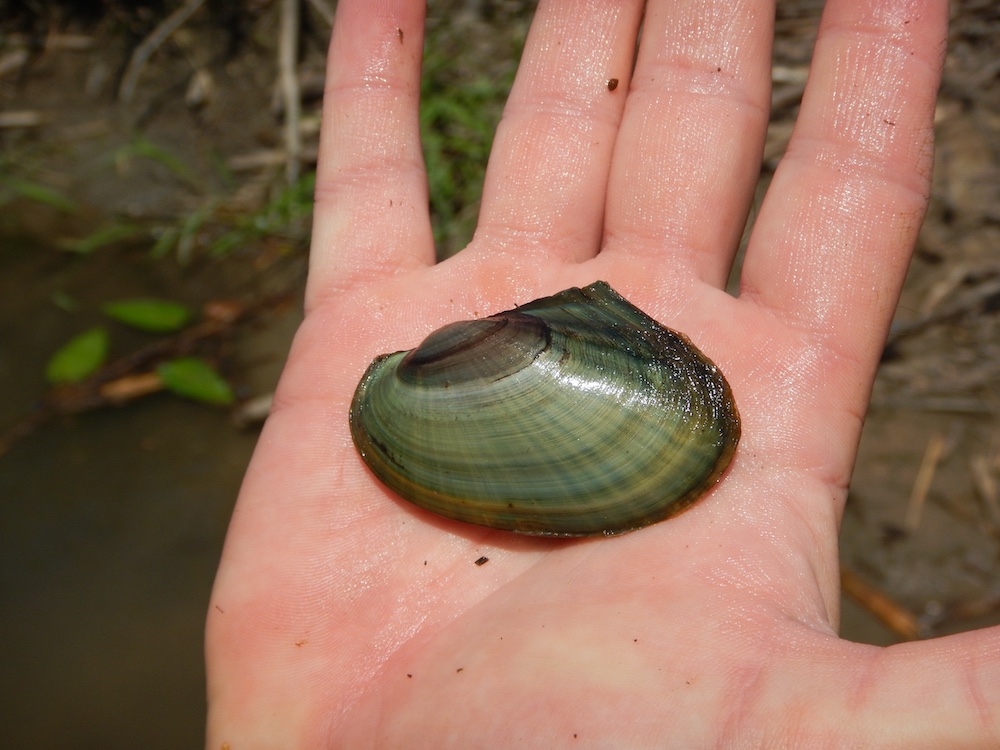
(573, 415)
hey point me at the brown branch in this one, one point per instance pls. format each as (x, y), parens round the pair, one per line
(150, 44)
(899, 620)
(321, 7)
(288, 46)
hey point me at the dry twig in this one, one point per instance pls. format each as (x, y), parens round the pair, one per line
(324, 9)
(25, 118)
(287, 52)
(899, 620)
(971, 301)
(150, 44)
(922, 484)
(986, 486)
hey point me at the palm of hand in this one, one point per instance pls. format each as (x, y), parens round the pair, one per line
(343, 616)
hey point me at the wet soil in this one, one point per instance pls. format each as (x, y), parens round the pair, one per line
(113, 520)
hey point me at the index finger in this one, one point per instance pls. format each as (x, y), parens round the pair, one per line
(371, 215)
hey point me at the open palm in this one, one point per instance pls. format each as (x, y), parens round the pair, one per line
(343, 617)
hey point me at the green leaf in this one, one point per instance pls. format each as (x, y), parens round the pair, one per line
(39, 193)
(146, 149)
(196, 379)
(79, 358)
(110, 234)
(64, 301)
(292, 206)
(156, 315)
(165, 242)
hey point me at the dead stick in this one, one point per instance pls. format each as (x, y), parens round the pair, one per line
(287, 51)
(321, 7)
(967, 303)
(922, 484)
(899, 620)
(150, 44)
(986, 485)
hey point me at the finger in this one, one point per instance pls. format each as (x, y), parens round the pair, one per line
(691, 140)
(942, 693)
(371, 215)
(833, 239)
(546, 180)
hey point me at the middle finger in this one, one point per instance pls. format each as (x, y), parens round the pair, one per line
(547, 177)
(690, 145)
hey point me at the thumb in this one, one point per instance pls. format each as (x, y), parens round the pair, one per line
(942, 693)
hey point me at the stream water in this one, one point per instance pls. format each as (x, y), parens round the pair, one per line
(111, 525)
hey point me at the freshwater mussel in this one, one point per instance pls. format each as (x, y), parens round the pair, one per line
(573, 415)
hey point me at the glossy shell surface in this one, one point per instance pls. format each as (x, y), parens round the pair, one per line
(573, 415)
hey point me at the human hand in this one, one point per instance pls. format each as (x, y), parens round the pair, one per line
(343, 617)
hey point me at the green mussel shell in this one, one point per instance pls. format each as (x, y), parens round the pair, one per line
(574, 415)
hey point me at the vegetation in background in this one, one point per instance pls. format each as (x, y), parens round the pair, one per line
(13, 187)
(84, 355)
(458, 116)
(196, 379)
(154, 315)
(468, 71)
(79, 358)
